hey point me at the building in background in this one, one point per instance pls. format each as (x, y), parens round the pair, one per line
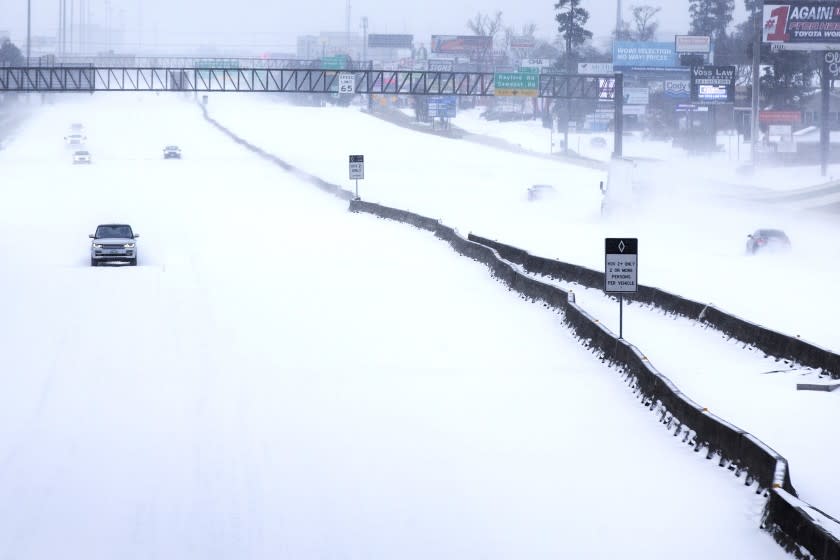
(330, 43)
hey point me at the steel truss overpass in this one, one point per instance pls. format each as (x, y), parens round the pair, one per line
(291, 80)
(89, 79)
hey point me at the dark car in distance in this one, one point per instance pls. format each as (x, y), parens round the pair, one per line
(764, 239)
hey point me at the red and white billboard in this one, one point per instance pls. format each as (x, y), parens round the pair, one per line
(801, 25)
(461, 44)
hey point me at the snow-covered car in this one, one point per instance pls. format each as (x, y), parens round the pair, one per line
(81, 156)
(75, 139)
(540, 192)
(113, 243)
(767, 239)
(172, 152)
(598, 142)
(77, 127)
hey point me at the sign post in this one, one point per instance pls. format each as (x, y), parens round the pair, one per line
(357, 171)
(621, 271)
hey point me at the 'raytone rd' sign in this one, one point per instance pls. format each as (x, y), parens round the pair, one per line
(621, 265)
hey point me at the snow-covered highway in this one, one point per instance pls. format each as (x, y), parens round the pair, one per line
(280, 378)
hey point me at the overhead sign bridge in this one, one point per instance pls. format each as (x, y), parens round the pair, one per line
(290, 80)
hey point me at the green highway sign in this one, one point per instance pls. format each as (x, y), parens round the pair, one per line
(516, 84)
(334, 62)
(217, 63)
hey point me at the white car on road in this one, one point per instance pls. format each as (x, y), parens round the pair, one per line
(81, 156)
(113, 243)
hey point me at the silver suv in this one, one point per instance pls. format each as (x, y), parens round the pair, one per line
(113, 243)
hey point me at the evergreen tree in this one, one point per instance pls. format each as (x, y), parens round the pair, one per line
(10, 55)
(711, 17)
(571, 19)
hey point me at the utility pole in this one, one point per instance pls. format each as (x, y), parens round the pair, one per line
(28, 30)
(347, 28)
(364, 38)
(81, 26)
(758, 9)
(365, 65)
(617, 17)
(71, 25)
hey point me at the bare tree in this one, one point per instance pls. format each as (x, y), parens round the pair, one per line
(644, 23)
(485, 25)
(528, 30)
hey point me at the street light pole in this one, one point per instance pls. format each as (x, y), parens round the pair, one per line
(758, 8)
(28, 30)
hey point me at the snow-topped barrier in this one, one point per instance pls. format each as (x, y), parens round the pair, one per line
(770, 342)
(325, 186)
(797, 526)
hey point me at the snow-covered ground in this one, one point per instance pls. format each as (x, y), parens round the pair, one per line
(692, 231)
(725, 166)
(280, 378)
(755, 393)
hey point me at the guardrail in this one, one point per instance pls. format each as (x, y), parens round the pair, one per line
(770, 342)
(791, 521)
(794, 524)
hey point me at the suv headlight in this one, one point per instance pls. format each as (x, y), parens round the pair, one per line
(128, 245)
(97, 245)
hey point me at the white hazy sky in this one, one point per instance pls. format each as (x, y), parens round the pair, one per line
(274, 24)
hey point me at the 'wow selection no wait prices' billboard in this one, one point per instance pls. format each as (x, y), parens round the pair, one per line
(801, 25)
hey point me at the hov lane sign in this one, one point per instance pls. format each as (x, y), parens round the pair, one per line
(357, 167)
(621, 265)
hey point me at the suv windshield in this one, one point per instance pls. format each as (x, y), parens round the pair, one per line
(113, 231)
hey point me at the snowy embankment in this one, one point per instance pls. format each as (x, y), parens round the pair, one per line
(280, 377)
(692, 234)
(754, 392)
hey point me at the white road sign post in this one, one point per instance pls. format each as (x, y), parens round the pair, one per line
(621, 271)
(357, 171)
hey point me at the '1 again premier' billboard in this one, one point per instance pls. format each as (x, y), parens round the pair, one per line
(801, 25)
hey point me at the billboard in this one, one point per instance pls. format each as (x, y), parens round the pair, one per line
(595, 68)
(638, 55)
(461, 44)
(390, 41)
(694, 44)
(522, 42)
(636, 96)
(780, 117)
(801, 25)
(677, 89)
(535, 64)
(440, 65)
(713, 85)
(831, 64)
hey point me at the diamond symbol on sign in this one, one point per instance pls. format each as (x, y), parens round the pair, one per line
(621, 246)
